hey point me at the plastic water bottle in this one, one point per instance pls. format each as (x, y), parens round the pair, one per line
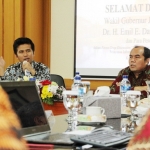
(125, 85)
(77, 78)
(78, 86)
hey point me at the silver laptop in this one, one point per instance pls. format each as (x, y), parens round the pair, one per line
(27, 104)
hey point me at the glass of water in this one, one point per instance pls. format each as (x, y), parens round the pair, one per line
(71, 102)
(133, 98)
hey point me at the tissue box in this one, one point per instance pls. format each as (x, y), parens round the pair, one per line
(111, 104)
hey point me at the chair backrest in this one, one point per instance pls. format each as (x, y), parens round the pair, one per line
(58, 79)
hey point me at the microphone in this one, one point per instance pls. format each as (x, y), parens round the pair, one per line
(27, 72)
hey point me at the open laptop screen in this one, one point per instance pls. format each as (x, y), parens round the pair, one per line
(27, 104)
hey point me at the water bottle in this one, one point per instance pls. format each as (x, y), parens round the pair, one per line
(124, 87)
(78, 86)
(76, 82)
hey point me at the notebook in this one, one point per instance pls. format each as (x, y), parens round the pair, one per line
(27, 104)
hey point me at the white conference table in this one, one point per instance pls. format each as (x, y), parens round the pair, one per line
(124, 123)
(61, 125)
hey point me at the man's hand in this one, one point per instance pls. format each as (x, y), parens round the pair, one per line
(2, 64)
(140, 88)
(118, 83)
(28, 66)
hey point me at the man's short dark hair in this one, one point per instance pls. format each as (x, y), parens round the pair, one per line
(146, 53)
(20, 41)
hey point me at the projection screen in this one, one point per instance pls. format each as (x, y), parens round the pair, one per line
(105, 32)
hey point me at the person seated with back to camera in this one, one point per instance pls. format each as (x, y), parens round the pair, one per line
(138, 71)
(24, 50)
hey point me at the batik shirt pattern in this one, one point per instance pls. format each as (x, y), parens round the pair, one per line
(140, 81)
(15, 72)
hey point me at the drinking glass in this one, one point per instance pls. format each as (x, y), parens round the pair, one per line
(71, 102)
(133, 98)
(86, 86)
(128, 125)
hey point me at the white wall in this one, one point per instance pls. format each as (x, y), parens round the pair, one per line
(62, 37)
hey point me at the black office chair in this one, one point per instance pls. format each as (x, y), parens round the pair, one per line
(58, 79)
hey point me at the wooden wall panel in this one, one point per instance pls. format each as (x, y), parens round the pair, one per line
(46, 30)
(34, 25)
(11, 27)
(18, 20)
(25, 18)
(37, 27)
(8, 36)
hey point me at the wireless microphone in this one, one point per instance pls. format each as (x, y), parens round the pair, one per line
(27, 72)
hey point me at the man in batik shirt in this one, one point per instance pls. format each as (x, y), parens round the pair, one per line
(24, 50)
(138, 71)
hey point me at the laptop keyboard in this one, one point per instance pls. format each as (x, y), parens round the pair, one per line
(103, 138)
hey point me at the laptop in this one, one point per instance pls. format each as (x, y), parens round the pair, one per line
(27, 104)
